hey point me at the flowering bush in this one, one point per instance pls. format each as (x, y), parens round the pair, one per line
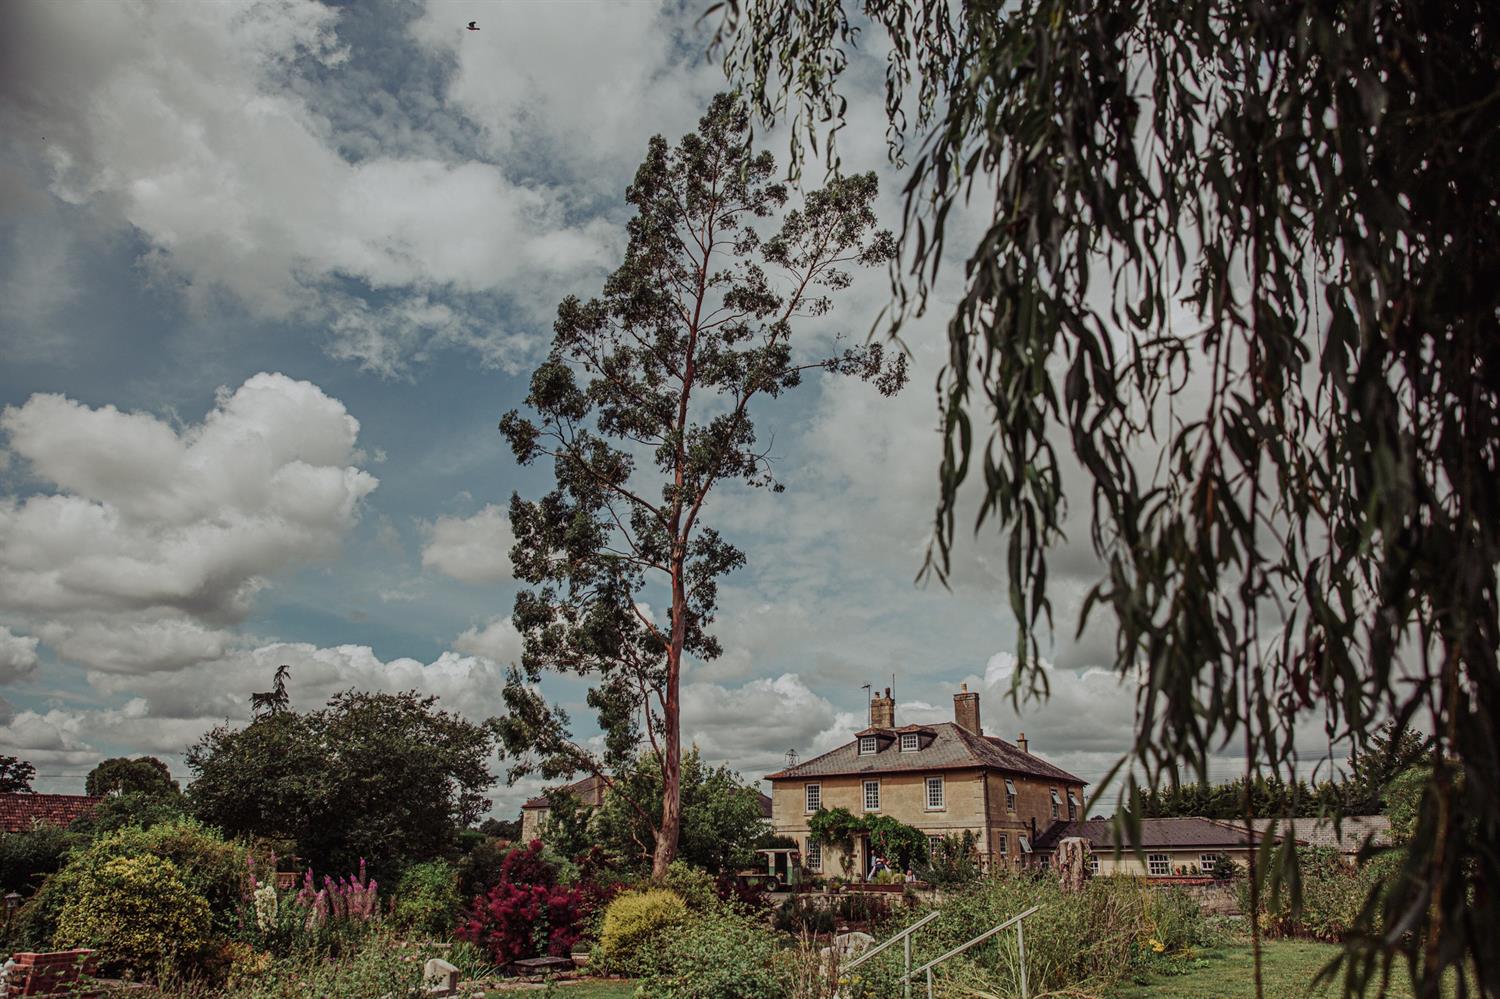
(351, 898)
(527, 912)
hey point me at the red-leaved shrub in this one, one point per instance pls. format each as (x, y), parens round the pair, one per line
(526, 913)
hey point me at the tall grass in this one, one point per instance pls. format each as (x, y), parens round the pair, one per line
(1084, 940)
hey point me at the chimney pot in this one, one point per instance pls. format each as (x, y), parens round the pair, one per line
(966, 710)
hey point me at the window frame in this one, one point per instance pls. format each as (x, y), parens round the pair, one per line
(1056, 804)
(934, 846)
(915, 742)
(1010, 795)
(1212, 861)
(1025, 843)
(1153, 860)
(808, 793)
(873, 743)
(1004, 844)
(1073, 806)
(1094, 864)
(865, 794)
(927, 786)
(813, 855)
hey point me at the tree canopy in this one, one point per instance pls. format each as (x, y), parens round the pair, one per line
(16, 775)
(645, 405)
(1237, 264)
(124, 775)
(385, 777)
(721, 816)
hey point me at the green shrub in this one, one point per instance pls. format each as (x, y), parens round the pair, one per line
(719, 952)
(635, 926)
(427, 899)
(695, 887)
(479, 869)
(209, 866)
(1333, 892)
(28, 857)
(139, 913)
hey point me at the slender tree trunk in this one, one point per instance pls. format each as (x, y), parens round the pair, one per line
(671, 770)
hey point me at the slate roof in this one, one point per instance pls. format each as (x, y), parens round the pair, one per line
(590, 791)
(19, 812)
(953, 747)
(1169, 834)
(1349, 838)
(765, 804)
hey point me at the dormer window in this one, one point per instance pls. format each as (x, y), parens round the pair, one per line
(909, 743)
(868, 745)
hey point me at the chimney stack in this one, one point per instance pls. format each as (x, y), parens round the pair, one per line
(966, 710)
(883, 710)
(1021, 743)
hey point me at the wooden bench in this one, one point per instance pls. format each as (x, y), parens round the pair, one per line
(55, 973)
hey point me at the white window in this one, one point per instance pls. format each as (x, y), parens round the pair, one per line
(1056, 802)
(1093, 863)
(1207, 862)
(814, 855)
(1010, 795)
(814, 794)
(1158, 865)
(1004, 844)
(1044, 861)
(1025, 844)
(908, 742)
(872, 795)
(935, 801)
(934, 847)
(867, 745)
(1072, 805)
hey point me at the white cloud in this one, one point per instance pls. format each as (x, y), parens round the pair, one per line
(629, 72)
(147, 517)
(752, 726)
(498, 640)
(180, 123)
(18, 656)
(470, 549)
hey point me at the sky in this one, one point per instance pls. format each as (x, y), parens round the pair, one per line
(271, 272)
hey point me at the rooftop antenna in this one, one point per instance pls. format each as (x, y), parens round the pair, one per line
(868, 696)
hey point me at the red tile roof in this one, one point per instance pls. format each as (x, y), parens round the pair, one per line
(19, 812)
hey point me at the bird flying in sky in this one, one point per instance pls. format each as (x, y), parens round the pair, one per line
(473, 25)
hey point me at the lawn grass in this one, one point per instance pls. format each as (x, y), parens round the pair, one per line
(596, 990)
(1287, 971)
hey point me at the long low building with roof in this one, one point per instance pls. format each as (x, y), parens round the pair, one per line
(1164, 847)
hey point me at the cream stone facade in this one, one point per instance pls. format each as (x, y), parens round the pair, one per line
(942, 779)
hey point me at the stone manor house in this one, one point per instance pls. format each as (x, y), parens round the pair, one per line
(944, 779)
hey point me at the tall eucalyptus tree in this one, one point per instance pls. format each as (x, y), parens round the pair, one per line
(644, 407)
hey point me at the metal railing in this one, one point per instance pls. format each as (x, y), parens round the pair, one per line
(905, 937)
(1020, 946)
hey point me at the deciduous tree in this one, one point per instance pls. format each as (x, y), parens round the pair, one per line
(645, 405)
